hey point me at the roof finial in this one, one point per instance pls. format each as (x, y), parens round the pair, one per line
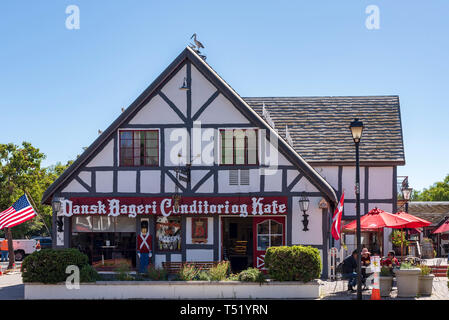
(197, 46)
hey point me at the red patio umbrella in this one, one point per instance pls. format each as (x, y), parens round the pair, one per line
(378, 219)
(443, 228)
(416, 222)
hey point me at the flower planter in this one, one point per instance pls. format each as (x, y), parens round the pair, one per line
(385, 284)
(176, 290)
(407, 282)
(425, 284)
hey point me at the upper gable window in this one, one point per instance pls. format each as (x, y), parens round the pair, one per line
(239, 146)
(139, 148)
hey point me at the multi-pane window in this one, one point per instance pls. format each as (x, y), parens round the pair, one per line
(269, 234)
(238, 146)
(139, 148)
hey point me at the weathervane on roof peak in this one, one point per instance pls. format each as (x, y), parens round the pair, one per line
(197, 46)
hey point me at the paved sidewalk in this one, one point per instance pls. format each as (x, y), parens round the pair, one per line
(337, 290)
(11, 286)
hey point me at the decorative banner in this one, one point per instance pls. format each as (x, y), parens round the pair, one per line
(133, 206)
(199, 230)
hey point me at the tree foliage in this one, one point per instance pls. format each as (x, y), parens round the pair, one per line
(439, 191)
(20, 170)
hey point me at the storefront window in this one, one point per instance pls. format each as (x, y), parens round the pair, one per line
(107, 241)
(168, 233)
(269, 234)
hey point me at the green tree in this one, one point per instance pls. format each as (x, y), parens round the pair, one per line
(20, 171)
(439, 191)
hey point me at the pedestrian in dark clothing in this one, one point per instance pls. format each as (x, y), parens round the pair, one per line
(349, 270)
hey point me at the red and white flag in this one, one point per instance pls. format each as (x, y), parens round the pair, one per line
(18, 213)
(336, 219)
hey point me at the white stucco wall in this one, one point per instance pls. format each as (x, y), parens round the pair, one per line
(210, 231)
(348, 182)
(150, 181)
(86, 177)
(202, 89)
(314, 236)
(104, 181)
(330, 174)
(176, 142)
(273, 182)
(126, 181)
(380, 184)
(199, 255)
(105, 157)
(74, 186)
(156, 111)
(171, 90)
(222, 111)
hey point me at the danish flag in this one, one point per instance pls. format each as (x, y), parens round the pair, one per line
(336, 219)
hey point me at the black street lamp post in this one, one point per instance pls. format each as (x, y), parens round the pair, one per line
(356, 130)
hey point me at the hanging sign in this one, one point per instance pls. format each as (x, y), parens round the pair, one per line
(133, 206)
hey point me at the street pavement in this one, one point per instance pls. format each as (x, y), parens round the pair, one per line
(337, 290)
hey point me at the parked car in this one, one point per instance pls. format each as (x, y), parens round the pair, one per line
(23, 247)
(46, 242)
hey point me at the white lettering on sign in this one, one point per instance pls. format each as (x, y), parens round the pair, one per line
(166, 207)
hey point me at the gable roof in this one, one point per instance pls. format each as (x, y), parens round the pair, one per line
(229, 93)
(433, 211)
(319, 126)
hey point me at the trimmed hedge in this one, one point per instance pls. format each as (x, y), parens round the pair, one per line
(294, 263)
(48, 266)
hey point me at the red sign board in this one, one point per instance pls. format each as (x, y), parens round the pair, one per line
(166, 206)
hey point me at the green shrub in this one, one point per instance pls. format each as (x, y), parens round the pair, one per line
(203, 276)
(157, 274)
(220, 271)
(425, 270)
(406, 265)
(88, 274)
(251, 275)
(123, 272)
(233, 277)
(48, 266)
(294, 263)
(188, 272)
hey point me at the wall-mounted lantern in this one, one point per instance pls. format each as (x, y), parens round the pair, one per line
(304, 206)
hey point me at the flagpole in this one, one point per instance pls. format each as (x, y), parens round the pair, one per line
(37, 213)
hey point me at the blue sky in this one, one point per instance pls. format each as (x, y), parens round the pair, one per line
(59, 86)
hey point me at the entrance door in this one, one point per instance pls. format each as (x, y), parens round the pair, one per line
(268, 232)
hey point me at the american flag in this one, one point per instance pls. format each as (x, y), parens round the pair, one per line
(18, 213)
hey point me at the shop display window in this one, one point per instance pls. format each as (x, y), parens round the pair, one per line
(168, 233)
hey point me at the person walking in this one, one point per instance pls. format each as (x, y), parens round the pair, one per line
(4, 250)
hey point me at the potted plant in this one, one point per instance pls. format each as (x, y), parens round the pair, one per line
(407, 280)
(385, 282)
(398, 239)
(425, 280)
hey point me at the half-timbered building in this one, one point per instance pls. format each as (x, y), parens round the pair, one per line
(216, 176)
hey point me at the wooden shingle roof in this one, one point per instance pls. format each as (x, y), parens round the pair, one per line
(319, 126)
(433, 211)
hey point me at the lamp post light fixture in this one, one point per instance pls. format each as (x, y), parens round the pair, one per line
(356, 128)
(304, 206)
(56, 206)
(406, 194)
